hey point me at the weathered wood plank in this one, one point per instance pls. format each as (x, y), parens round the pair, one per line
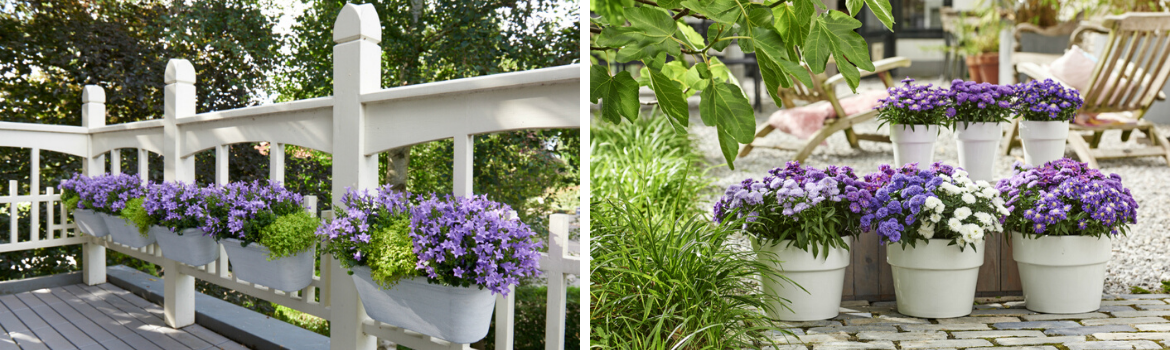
(93, 330)
(989, 272)
(866, 259)
(126, 320)
(885, 275)
(1009, 280)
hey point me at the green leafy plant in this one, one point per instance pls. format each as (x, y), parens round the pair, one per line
(289, 235)
(783, 34)
(395, 260)
(136, 215)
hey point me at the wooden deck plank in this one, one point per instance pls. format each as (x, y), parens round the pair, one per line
(52, 338)
(93, 330)
(63, 326)
(12, 302)
(6, 342)
(206, 334)
(122, 334)
(132, 321)
(118, 298)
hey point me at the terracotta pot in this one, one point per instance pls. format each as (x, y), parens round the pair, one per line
(984, 68)
(973, 68)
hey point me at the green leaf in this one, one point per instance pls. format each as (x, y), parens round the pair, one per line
(832, 34)
(726, 11)
(882, 10)
(758, 16)
(618, 94)
(854, 6)
(690, 36)
(694, 79)
(675, 70)
(670, 98)
(670, 4)
(793, 23)
(611, 11)
(770, 50)
(798, 71)
(648, 35)
(724, 106)
(719, 30)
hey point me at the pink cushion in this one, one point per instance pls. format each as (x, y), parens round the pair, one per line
(804, 121)
(1074, 68)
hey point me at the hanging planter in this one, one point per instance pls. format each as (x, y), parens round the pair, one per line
(1065, 216)
(377, 238)
(1043, 140)
(978, 148)
(1062, 274)
(252, 264)
(125, 233)
(1046, 107)
(785, 216)
(815, 283)
(457, 314)
(90, 222)
(913, 143)
(934, 223)
(192, 247)
(934, 279)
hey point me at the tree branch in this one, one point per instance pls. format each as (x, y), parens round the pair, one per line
(682, 14)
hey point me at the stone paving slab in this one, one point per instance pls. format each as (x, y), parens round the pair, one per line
(1127, 321)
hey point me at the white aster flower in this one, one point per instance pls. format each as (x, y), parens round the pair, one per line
(935, 218)
(955, 225)
(932, 202)
(962, 213)
(983, 218)
(926, 230)
(990, 192)
(968, 198)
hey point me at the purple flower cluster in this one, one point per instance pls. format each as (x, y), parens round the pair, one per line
(107, 193)
(899, 197)
(793, 192)
(1046, 100)
(243, 208)
(914, 104)
(472, 240)
(364, 214)
(979, 102)
(1066, 197)
(180, 206)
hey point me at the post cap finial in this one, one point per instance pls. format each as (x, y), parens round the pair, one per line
(93, 94)
(179, 71)
(357, 22)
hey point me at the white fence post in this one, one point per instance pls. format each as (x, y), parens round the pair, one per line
(558, 242)
(179, 100)
(357, 61)
(93, 114)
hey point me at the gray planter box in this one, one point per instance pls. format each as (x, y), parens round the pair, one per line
(125, 233)
(251, 264)
(456, 314)
(90, 222)
(192, 247)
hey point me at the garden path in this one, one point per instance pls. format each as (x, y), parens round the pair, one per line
(94, 317)
(1126, 321)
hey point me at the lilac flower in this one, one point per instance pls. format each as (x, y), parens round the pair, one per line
(1046, 100)
(180, 206)
(913, 104)
(1068, 194)
(107, 193)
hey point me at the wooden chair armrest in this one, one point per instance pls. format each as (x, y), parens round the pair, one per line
(1085, 27)
(883, 65)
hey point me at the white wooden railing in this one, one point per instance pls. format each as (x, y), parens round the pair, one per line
(357, 123)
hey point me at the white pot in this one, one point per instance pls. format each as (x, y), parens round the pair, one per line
(934, 279)
(193, 247)
(125, 233)
(913, 145)
(290, 273)
(1043, 141)
(457, 314)
(978, 146)
(822, 278)
(90, 222)
(1062, 274)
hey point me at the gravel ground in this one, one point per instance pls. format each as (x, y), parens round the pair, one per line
(1140, 259)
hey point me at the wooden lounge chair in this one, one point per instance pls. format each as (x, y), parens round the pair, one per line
(823, 91)
(1128, 77)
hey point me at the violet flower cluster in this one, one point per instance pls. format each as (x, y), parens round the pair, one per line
(107, 193)
(244, 208)
(180, 206)
(463, 241)
(912, 205)
(911, 104)
(349, 235)
(1066, 197)
(979, 102)
(1046, 100)
(793, 202)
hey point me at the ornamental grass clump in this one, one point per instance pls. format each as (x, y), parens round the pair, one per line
(374, 231)
(812, 207)
(912, 205)
(1065, 197)
(179, 206)
(911, 104)
(979, 102)
(1046, 100)
(264, 213)
(465, 241)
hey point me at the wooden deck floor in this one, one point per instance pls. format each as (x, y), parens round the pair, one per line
(94, 317)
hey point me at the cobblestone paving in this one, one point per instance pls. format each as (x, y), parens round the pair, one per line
(1126, 321)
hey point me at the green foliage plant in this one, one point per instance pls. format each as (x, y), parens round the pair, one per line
(783, 34)
(289, 235)
(383, 242)
(261, 212)
(137, 216)
(396, 259)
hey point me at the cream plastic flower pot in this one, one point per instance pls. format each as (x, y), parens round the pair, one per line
(90, 222)
(1043, 141)
(456, 314)
(290, 273)
(913, 145)
(934, 279)
(125, 233)
(822, 278)
(1062, 274)
(978, 146)
(193, 247)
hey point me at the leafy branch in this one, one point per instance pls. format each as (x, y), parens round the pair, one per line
(792, 40)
